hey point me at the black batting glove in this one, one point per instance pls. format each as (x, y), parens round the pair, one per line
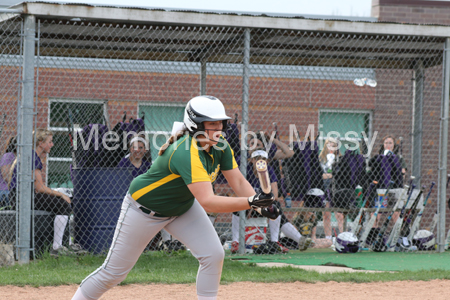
(272, 212)
(261, 200)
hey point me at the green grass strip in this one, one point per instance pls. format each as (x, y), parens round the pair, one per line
(158, 267)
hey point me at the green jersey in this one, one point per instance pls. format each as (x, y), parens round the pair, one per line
(163, 189)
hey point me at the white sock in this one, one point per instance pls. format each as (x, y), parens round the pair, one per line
(206, 298)
(165, 236)
(71, 230)
(58, 233)
(274, 227)
(291, 232)
(329, 237)
(235, 227)
(79, 296)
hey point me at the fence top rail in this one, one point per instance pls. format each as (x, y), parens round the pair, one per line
(161, 16)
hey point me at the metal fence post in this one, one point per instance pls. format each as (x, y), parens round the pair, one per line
(417, 115)
(26, 159)
(203, 75)
(443, 147)
(244, 128)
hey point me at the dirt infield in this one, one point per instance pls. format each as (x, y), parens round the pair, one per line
(420, 290)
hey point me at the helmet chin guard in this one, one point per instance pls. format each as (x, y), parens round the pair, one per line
(203, 109)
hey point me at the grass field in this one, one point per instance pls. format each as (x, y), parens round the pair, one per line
(158, 267)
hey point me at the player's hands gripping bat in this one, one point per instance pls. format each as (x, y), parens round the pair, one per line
(272, 212)
(260, 200)
(265, 198)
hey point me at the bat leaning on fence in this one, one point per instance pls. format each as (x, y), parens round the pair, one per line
(436, 215)
(407, 219)
(416, 223)
(369, 225)
(379, 245)
(3, 124)
(395, 233)
(356, 225)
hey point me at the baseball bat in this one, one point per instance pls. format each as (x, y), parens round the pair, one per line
(373, 218)
(406, 219)
(379, 245)
(411, 183)
(263, 176)
(434, 221)
(395, 233)
(264, 181)
(417, 220)
(275, 128)
(356, 225)
(3, 124)
(436, 215)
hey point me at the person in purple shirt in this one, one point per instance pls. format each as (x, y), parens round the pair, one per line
(5, 165)
(138, 148)
(45, 198)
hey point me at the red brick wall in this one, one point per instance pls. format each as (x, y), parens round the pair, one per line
(411, 11)
(286, 101)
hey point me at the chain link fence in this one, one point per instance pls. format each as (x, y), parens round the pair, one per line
(11, 72)
(332, 113)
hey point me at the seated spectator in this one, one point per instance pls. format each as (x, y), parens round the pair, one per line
(5, 164)
(138, 147)
(388, 166)
(45, 198)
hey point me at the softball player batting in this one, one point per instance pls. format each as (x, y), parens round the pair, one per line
(174, 195)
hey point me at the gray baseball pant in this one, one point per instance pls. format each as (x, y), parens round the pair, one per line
(134, 231)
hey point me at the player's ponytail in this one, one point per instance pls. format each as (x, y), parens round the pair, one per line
(169, 142)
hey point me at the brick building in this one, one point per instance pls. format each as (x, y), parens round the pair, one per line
(412, 11)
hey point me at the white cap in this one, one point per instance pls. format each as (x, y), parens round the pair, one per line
(315, 192)
(261, 153)
(139, 139)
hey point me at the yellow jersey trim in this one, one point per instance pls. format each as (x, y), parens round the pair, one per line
(235, 165)
(138, 194)
(198, 172)
(174, 152)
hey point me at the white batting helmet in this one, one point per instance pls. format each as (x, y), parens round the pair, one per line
(201, 109)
